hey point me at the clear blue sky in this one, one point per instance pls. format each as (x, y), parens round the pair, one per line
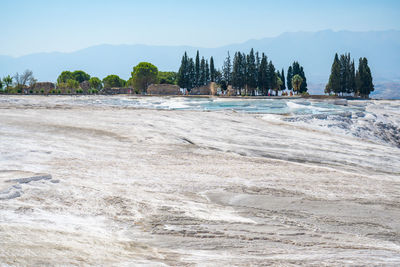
(30, 26)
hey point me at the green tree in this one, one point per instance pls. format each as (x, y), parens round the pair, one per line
(1, 85)
(363, 79)
(167, 77)
(289, 78)
(143, 75)
(183, 73)
(278, 83)
(207, 73)
(227, 70)
(113, 81)
(263, 75)
(334, 79)
(202, 72)
(191, 75)
(8, 80)
(297, 80)
(283, 87)
(80, 76)
(95, 83)
(251, 72)
(212, 69)
(271, 76)
(298, 69)
(197, 70)
(64, 76)
(72, 84)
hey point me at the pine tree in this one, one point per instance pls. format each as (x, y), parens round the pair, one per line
(212, 69)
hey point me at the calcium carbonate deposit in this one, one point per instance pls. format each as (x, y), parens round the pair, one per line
(127, 181)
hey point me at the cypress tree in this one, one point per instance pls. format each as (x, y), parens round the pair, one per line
(271, 76)
(289, 78)
(364, 84)
(303, 87)
(236, 71)
(258, 62)
(283, 79)
(197, 70)
(296, 68)
(182, 76)
(251, 72)
(212, 69)
(243, 72)
(202, 72)
(191, 75)
(352, 80)
(227, 70)
(334, 83)
(207, 73)
(264, 75)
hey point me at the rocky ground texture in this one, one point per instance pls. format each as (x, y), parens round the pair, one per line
(98, 185)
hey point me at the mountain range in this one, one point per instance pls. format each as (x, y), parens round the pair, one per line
(314, 51)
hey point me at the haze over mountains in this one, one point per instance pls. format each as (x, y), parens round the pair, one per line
(314, 50)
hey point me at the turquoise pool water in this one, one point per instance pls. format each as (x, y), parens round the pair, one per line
(266, 106)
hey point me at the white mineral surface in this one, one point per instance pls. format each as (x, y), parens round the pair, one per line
(120, 181)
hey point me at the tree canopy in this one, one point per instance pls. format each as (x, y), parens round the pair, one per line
(344, 79)
(78, 75)
(113, 81)
(143, 75)
(363, 79)
(167, 77)
(95, 83)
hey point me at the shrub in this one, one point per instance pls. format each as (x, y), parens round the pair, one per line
(69, 91)
(59, 91)
(42, 91)
(30, 91)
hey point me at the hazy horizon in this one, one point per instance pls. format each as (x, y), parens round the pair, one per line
(67, 26)
(193, 46)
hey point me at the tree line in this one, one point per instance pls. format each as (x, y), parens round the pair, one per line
(345, 79)
(72, 81)
(248, 74)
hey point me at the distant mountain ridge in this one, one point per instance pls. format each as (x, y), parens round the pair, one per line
(314, 50)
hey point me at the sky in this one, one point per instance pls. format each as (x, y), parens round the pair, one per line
(28, 26)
